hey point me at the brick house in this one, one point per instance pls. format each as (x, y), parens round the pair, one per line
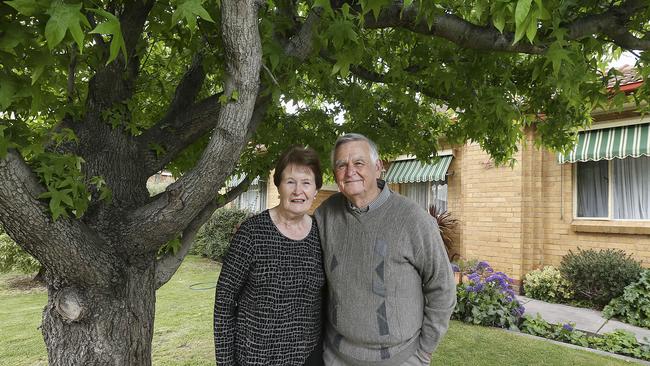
(529, 216)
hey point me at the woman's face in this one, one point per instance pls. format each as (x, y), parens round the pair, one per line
(297, 189)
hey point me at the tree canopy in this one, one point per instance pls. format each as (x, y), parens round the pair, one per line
(96, 96)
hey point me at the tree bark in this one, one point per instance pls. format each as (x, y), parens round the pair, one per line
(95, 326)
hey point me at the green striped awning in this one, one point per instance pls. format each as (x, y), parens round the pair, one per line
(412, 171)
(609, 143)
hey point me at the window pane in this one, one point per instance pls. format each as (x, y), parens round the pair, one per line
(631, 187)
(439, 196)
(417, 192)
(592, 189)
(249, 199)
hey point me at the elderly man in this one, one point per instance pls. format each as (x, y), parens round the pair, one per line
(391, 290)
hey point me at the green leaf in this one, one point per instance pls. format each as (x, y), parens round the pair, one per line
(325, 4)
(7, 92)
(113, 28)
(556, 54)
(55, 203)
(521, 12)
(190, 10)
(28, 7)
(63, 18)
(520, 30)
(157, 148)
(373, 6)
(543, 13)
(499, 22)
(5, 142)
(340, 32)
(531, 30)
(11, 36)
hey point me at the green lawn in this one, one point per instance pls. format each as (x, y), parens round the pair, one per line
(183, 330)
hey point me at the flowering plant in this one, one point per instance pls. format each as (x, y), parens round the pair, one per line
(487, 298)
(547, 284)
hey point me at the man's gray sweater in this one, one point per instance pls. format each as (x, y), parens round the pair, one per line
(391, 289)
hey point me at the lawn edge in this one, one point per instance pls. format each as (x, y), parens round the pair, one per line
(569, 345)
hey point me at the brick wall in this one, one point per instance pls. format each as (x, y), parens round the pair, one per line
(559, 234)
(487, 201)
(521, 218)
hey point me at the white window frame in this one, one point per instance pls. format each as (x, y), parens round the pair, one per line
(610, 196)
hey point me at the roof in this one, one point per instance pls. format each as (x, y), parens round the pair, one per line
(630, 79)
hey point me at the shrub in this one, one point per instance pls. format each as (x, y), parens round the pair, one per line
(562, 332)
(599, 276)
(634, 306)
(619, 341)
(447, 225)
(213, 239)
(488, 299)
(547, 284)
(14, 258)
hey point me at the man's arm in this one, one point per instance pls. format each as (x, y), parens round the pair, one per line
(438, 286)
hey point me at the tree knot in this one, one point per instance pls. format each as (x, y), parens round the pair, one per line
(70, 304)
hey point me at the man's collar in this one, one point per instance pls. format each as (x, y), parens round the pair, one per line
(384, 193)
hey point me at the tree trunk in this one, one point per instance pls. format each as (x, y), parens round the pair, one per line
(102, 326)
(40, 276)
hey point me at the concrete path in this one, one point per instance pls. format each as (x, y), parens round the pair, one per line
(585, 319)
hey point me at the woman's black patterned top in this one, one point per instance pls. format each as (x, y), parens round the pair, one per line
(268, 301)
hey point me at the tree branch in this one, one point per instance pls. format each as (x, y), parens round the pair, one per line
(301, 44)
(177, 131)
(375, 77)
(630, 42)
(72, 67)
(185, 199)
(465, 34)
(169, 264)
(450, 27)
(65, 246)
(611, 23)
(180, 125)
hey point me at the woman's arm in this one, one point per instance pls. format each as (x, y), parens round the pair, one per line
(233, 277)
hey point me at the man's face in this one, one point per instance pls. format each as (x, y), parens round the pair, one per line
(355, 173)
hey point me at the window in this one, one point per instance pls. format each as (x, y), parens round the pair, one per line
(418, 192)
(254, 199)
(617, 189)
(426, 194)
(439, 195)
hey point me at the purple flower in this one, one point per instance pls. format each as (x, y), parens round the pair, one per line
(455, 267)
(482, 265)
(498, 279)
(567, 327)
(519, 311)
(474, 277)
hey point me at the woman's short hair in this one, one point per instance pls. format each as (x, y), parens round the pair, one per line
(301, 156)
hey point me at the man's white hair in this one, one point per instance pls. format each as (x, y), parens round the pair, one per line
(349, 137)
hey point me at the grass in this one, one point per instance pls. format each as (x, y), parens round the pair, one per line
(183, 330)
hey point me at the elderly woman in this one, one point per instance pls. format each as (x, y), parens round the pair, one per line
(268, 302)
